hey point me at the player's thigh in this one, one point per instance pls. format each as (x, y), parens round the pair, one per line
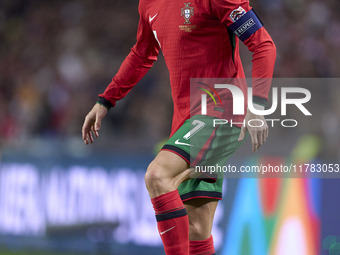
(166, 172)
(201, 213)
(169, 164)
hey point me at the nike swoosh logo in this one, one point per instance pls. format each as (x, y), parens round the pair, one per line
(151, 18)
(162, 233)
(179, 143)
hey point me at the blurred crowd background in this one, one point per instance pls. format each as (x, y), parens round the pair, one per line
(57, 56)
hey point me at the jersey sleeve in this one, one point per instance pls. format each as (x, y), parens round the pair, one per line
(264, 56)
(229, 11)
(239, 17)
(135, 66)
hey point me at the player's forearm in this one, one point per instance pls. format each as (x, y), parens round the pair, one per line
(131, 71)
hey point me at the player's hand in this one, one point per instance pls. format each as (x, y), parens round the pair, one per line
(258, 134)
(92, 123)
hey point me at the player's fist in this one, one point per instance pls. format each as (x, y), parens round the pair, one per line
(92, 123)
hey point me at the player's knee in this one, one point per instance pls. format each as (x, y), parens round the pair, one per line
(155, 179)
(151, 176)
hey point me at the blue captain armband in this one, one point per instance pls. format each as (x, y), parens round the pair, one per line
(247, 25)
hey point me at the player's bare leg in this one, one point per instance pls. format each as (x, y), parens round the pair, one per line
(165, 173)
(201, 215)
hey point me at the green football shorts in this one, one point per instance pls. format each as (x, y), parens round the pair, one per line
(201, 144)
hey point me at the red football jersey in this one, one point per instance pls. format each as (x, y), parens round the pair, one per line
(196, 43)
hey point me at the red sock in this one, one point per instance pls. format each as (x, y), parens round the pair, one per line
(205, 247)
(172, 222)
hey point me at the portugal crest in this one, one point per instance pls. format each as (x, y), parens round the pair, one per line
(187, 13)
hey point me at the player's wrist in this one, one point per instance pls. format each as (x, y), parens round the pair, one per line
(104, 102)
(259, 107)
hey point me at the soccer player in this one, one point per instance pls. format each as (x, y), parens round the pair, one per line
(199, 40)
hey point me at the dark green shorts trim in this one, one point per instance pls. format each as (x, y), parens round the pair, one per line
(183, 154)
(201, 194)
